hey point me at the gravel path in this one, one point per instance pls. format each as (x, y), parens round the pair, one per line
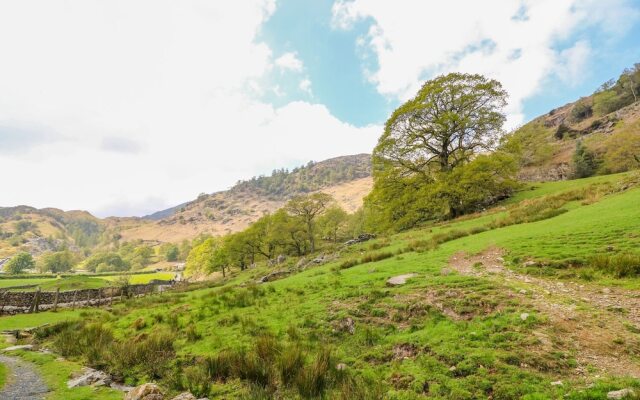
(23, 382)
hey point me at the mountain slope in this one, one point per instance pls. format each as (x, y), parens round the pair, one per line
(347, 179)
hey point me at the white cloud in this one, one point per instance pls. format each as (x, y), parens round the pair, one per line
(289, 61)
(513, 41)
(305, 86)
(134, 105)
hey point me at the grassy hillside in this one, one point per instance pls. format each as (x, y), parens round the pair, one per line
(547, 144)
(497, 308)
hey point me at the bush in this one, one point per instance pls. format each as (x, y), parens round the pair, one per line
(18, 263)
(580, 111)
(621, 265)
(584, 161)
(312, 381)
(290, 363)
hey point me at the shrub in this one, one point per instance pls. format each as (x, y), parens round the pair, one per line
(218, 367)
(290, 363)
(621, 265)
(196, 380)
(192, 334)
(312, 381)
(580, 111)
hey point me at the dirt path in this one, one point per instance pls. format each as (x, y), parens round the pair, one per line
(23, 381)
(596, 324)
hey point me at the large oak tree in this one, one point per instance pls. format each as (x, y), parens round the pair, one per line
(449, 120)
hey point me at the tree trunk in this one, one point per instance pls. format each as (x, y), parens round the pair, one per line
(312, 241)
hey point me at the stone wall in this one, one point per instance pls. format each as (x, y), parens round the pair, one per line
(15, 302)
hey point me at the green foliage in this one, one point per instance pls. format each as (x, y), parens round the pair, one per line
(59, 261)
(451, 118)
(399, 204)
(621, 265)
(170, 252)
(620, 149)
(314, 176)
(18, 263)
(529, 145)
(106, 262)
(426, 164)
(23, 226)
(333, 222)
(308, 208)
(207, 257)
(584, 161)
(580, 111)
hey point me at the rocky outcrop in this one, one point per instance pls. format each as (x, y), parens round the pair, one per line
(363, 237)
(400, 279)
(147, 391)
(89, 377)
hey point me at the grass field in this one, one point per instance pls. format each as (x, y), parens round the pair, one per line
(82, 281)
(3, 375)
(449, 333)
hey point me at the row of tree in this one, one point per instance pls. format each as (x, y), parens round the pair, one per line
(293, 230)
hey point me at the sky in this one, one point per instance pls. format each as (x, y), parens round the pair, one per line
(126, 107)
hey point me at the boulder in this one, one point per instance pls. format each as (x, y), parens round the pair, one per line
(400, 279)
(273, 276)
(363, 237)
(620, 394)
(19, 347)
(346, 325)
(89, 377)
(147, 391)
(524, 316)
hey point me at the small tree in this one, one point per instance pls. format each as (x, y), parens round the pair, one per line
(584, 161)
(18, 263)
(332, 222)
(60, 261)
(307, 208)
(206, 257)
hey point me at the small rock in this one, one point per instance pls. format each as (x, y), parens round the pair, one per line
(556, 383)
(89, 377)
(400, 279)
(19, 347)
(446, 271)
(347, 325)
(524, 316)
(185, 396)
(453, 368)
(529, 263)
(606, 290)
(620, 394)
(341, 367)
(522, 291)
(147, 391)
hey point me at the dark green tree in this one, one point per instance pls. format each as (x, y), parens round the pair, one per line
(584, 161)
(18, 263)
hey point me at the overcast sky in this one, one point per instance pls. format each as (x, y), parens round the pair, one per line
(127, 107)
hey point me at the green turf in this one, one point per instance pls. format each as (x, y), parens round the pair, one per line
(3, 375)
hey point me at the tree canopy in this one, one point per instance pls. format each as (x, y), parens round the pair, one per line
(18, 263)
(428, 163)
(449, 120)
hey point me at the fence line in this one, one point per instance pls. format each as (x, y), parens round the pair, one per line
(35, 301)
